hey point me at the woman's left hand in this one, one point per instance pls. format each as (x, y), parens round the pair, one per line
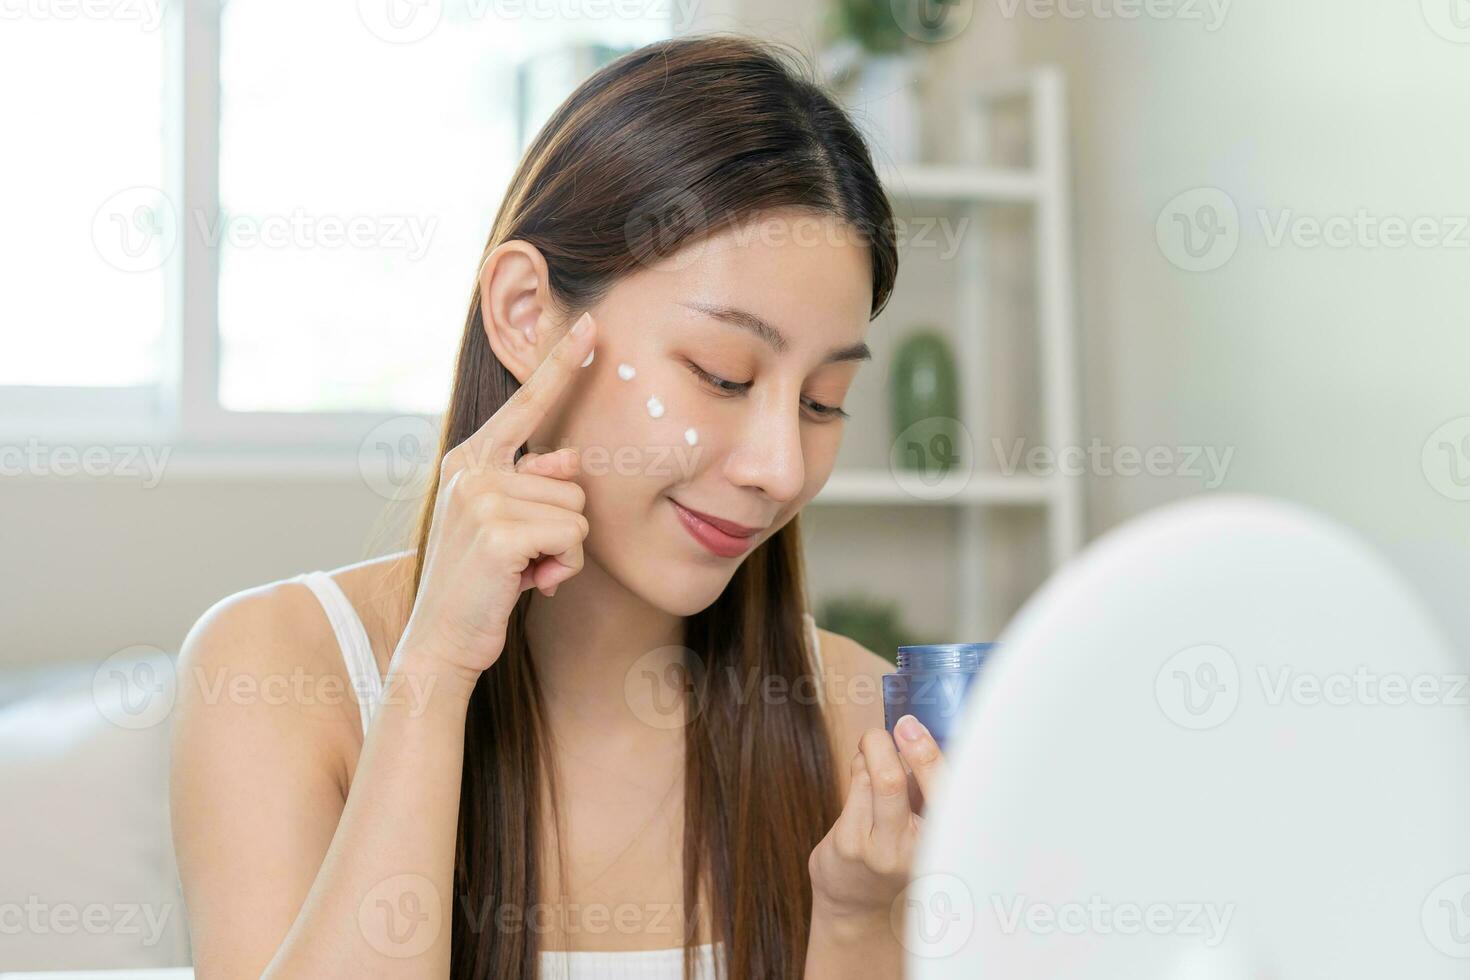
(863, 863)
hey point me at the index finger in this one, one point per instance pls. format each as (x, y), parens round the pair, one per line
(508, 429)
(890, 784)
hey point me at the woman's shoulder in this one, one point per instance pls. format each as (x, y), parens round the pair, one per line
(272, 646)
(264, 626)
(282, 621)
(853, 682)
(842, 655)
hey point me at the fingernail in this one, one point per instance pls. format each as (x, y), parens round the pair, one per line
(530, 333)
(580, 326)
(552, 592)
(909, 729)
(590, 353)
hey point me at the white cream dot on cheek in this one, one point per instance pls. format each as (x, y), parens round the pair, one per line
(691, 437)
(655, 407)
(626, 372)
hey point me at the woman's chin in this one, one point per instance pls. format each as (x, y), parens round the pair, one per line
(691, 585)
(676, 578)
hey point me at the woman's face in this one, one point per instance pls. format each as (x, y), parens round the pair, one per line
(714, 387)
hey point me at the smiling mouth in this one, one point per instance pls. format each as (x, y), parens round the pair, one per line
(717, 539)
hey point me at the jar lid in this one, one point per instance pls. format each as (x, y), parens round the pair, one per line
(943, 656)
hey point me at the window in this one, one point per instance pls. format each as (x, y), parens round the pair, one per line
(86, 225)
(301, 251)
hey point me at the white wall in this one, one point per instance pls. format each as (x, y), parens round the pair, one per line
(1326, 369)
(89, 567)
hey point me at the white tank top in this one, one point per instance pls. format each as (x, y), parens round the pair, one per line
(367, 683)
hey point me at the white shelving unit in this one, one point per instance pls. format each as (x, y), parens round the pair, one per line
(1044, 188)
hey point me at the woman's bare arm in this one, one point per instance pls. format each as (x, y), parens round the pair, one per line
(282, 876)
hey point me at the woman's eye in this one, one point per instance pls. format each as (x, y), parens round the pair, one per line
(826, 411)
(719, 384)
(818, 409)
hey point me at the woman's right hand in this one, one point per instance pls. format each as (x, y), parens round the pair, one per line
(500, 525)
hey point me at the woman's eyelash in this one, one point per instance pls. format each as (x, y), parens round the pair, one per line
(720, 384)
(735, 387)
(835, 411)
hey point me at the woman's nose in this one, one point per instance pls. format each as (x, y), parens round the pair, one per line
(768, 453)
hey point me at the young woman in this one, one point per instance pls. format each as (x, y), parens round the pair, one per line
(592, 729)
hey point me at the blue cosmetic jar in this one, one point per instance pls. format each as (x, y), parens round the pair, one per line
(931, 684)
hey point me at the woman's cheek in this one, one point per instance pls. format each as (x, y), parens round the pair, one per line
(632, 426)
(819, 455)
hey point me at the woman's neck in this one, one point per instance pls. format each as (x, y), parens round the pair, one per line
(607, 661)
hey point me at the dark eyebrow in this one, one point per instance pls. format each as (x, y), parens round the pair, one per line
(763, 329)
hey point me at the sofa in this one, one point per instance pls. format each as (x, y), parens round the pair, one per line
(87, 873)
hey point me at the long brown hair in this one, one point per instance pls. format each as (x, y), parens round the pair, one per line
(655, 150)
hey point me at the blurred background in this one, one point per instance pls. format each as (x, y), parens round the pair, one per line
(1150, 249)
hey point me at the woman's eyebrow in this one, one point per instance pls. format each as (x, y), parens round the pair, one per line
(766, 331)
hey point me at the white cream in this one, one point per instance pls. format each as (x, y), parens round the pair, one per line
(655, 407)
(626, 372)
(691, 437)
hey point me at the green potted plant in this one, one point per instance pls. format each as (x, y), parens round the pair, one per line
(875, 61)
(924, 401)
(871, 24)
(875, 67)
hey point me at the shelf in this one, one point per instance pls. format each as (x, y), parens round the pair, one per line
(1038, 185)
(881, 487)
(926, 182)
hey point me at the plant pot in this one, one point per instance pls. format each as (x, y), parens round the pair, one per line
(886, 104)
(923, 392)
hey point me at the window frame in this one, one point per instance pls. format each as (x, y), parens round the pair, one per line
(183, 410)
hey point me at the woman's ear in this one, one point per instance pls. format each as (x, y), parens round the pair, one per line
(516, 308)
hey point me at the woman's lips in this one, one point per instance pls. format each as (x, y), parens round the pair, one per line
(720, 542)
